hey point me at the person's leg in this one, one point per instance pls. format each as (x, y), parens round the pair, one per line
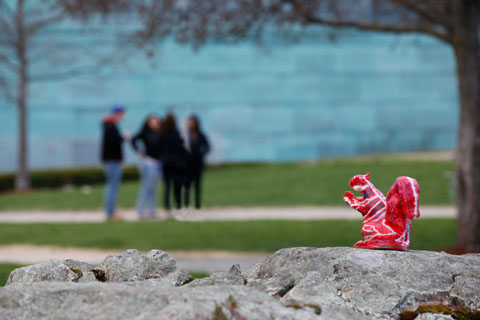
(116, 182)
(152, 181)
(159, 178)
(107, 196)
(198, 188)
(113, 172)
(141, 199)
(167, 179)
(186, 192)
(177, 188)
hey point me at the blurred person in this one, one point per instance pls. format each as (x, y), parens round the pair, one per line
(112, 157)
(174, 161)
(150, 166)
(198, 147)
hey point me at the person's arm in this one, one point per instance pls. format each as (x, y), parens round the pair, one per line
(111, 134)
(134, 141)
(118, 135)
(204, 145)
(183, 147)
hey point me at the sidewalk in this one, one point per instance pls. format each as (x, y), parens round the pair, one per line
(196, 261)
(210, 214)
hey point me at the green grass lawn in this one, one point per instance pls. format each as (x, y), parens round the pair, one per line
(5, 270)
(263, 236)
(289, 184)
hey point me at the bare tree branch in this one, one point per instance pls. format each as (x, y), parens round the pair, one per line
(8, 61)
(309, 17)
(36, 26)
(433, 11)
(381, 27)
(6, 90)
(82, 69)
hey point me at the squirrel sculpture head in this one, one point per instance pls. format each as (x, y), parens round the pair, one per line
(360, 182)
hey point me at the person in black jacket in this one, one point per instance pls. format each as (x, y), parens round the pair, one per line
(173, 156)
(198, 148)
(147, 144)
(112, 156)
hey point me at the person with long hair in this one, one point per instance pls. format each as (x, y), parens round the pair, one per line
(147, 143)
(198, 147)
(174, 161)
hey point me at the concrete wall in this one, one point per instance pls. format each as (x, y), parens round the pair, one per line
(329, 94)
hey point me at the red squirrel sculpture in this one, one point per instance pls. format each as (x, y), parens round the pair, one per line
(386, 221)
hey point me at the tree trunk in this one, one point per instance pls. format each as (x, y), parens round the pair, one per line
(467, 49)
(22, 181)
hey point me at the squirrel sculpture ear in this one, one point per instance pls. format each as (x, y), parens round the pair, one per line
(367, 176)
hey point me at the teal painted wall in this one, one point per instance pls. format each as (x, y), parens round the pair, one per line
(323, 96)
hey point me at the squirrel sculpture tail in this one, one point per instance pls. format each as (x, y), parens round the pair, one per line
(402, 198)
(386, 225)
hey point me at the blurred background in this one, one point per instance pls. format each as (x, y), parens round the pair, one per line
(331, 93)
(295, 98)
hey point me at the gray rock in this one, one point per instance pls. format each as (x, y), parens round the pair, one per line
(128, 266)
(375, 283)
(232, 277)
(179, 278)
(433, 316)
(51, 270)
(158, 264)
(96, 300)
(336, 312)
(132, 265)
(83, 269)
(296, 283)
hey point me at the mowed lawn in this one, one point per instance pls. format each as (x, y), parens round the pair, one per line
(5, 269)
(287, 184)
(261, 236)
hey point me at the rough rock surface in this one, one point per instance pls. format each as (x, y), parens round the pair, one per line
(375, 283)
(120, 301)
(132, 265)
(82, 269)
(49, 271)
(296, 283)
(232, 277)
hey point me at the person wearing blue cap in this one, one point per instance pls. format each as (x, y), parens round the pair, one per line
(112, 156)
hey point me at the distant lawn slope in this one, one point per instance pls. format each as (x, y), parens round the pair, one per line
(290, 184)
(264, 236)
(5, 270)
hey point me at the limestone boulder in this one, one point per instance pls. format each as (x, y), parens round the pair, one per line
(48, 271)
(376, 283)
(294, 283)
(96, 300)
(132, 265)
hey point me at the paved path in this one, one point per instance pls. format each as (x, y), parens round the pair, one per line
(193, 261)
(203, 261)
(209, 214)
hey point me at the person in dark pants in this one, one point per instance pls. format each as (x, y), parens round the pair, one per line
(198, 148)
(173, 156)
(112, 156)
(147, 144)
